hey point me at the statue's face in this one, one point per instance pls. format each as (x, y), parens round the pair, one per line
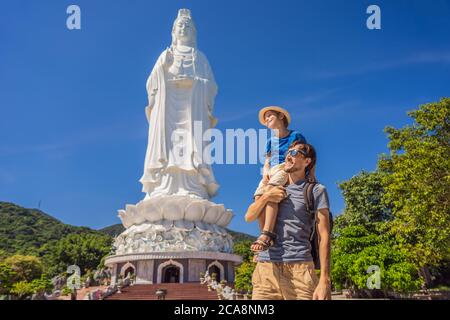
(184, 30)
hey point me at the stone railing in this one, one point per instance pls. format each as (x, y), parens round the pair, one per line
(224, 292)
(99, 294)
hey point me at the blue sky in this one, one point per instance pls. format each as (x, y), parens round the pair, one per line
(73, 132)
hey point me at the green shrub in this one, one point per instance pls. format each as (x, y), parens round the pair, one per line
(26, 268)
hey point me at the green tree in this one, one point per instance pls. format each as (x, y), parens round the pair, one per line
(22, 289)
(364, 204)
(7, 276)
(3, 255)
(398, 217)
(361, 240)
(84, 250)
(243, 273)
(242, 248)
(42, 285)
(243, 279)
(25, 289)
(26, 268)
(357, 248)
(417, 180)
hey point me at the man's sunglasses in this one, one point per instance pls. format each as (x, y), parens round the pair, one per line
(295, 152)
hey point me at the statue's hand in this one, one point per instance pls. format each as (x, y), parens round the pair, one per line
(168, 59)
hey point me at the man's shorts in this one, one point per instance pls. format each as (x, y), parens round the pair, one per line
(284, 281)
(278, 177)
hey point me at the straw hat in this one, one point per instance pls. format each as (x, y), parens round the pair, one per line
(273, 108)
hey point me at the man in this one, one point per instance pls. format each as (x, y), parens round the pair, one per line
(286, 270)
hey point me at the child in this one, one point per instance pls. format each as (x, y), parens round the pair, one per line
(276, 119)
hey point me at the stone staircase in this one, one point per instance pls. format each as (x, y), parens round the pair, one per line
(175, 291)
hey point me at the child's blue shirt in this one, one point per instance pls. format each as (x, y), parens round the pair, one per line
(277, 148)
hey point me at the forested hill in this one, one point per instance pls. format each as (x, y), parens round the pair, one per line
(25, 231)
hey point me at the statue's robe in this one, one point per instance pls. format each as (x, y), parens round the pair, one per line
(173, 167)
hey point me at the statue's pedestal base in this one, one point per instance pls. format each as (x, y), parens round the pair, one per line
(181, 267)
(173, 236)
(175, 207)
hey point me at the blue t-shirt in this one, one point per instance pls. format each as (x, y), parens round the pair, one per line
(279, 147)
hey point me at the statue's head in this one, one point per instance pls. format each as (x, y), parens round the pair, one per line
(184, 29)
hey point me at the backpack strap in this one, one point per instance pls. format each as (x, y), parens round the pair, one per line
(308, 195)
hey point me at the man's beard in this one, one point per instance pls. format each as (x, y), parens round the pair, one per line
(291, 169)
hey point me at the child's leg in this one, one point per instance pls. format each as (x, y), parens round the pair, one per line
(262, 216)
(261, 220)
(279, 178)
(267, 221)
(267, 224)
(268, 216)
(271, 213)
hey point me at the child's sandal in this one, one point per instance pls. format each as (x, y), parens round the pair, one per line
(265, 244)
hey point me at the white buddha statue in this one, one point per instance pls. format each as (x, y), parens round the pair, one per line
(176, 213)
(181, 92)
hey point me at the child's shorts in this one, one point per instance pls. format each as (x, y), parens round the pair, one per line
(278, 177)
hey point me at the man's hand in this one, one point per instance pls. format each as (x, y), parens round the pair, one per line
(323, 291)
(276, 194)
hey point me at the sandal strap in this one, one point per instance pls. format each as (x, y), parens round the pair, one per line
(270, 234)
(264, 244)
